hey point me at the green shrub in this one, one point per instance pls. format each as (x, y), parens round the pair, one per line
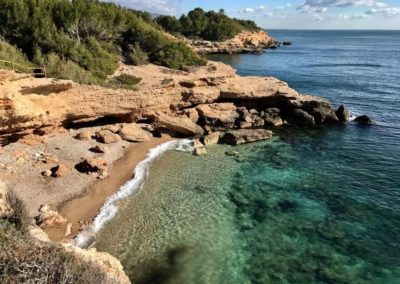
(124, 81)
(137, 56)
(26, 260)
(177, 55)
(11, 53)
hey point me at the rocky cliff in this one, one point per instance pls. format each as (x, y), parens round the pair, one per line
(245, 42)
(30, 106)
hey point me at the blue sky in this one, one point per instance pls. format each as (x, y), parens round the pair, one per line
(290, 14)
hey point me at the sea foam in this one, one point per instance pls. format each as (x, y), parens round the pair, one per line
(110, 208)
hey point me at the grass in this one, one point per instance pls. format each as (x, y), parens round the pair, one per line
(27, 260)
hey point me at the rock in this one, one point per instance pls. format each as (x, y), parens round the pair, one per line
(99, 149)
(93, 165)
(181, 125)
(187, 84)
(134, 133)
(235, 137)
(192, 114)
(322, 111)
(68, 230)
(286, 43)
(218, 115)
(47, 173)
(114, 128)
(5, 207)
(364, 120)
(343, 114)
(49, 218)
(212, 138)
(84, 135)
(232, 153)
(107, 137)
(60, 171)
(197, 143)
(273, 121)
(301, 117)
(272, 111)
(200, 151)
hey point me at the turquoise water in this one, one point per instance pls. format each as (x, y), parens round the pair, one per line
(309, 206)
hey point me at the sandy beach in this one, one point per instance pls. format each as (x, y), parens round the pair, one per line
(86, 206)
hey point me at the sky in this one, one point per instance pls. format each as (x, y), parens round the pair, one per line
(289, 14)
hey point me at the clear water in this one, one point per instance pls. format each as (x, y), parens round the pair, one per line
(309, 206)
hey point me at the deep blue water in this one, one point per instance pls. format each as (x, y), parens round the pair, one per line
(309, 206)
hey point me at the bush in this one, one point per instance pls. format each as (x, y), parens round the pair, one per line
(25, 260)
(125, 81)
(11, 53)
(177, 55)
(137, 56)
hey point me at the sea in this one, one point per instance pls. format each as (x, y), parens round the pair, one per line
(311, 205)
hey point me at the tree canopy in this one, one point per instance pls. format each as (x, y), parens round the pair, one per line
(88, 34)
(211, 25)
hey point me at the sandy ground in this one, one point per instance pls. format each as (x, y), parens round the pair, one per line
(87, 205)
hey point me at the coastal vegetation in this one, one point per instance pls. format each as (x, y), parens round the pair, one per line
(84, 40)
(25, 260)
(211, 25)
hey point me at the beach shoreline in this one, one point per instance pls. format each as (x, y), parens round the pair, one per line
(84, 207)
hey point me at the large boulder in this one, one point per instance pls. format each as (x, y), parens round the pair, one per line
(181, 125)
(218, 115)
(49, 218)
(134, 133)
(235, 137)
(212, 138)
(107, 137)
(343, 114)
(93, 165)
(301, 117)
(84, 135)
(321, 110)
(60, 170)
(363, 120)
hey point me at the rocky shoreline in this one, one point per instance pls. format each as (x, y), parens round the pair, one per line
(245, 42)
(58, 137)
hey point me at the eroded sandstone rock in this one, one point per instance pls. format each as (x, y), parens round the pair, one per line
(107, 137)
(241, 136)
(218, 116)
(49, 218)
(134, 133)
(181, 125)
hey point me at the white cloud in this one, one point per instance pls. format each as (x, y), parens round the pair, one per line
(317, 6)
(248, 10)
(153, 6)
(388, 12)
(261, 8)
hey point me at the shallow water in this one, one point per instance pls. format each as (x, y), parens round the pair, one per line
(308, 206)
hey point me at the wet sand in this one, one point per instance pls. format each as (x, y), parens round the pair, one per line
(86, 206)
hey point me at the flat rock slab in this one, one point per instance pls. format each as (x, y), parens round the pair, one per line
(241, 136)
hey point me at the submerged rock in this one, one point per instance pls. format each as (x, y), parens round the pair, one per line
(363, 120)
(235, 137)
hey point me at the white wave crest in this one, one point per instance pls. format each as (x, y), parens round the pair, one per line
(109, 208)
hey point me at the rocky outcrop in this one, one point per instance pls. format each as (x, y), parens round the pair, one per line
(245, 42)
(343, 113)
(179, 125)
(218, 116)
(241, 136)
(212, 97)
